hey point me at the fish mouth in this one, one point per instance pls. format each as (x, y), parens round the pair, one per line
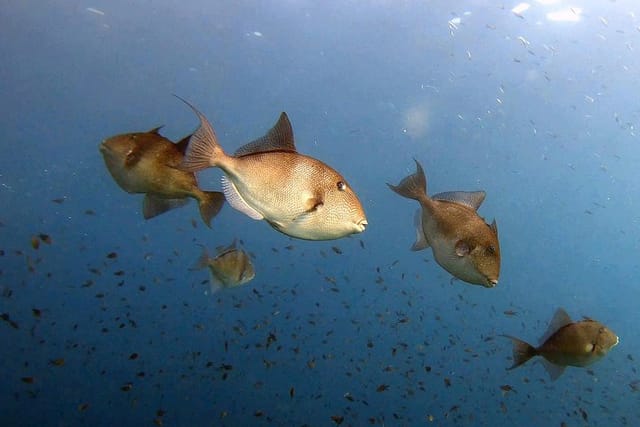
(362, 225)
(491, 283)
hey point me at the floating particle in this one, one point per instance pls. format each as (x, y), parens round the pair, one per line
(95, 11)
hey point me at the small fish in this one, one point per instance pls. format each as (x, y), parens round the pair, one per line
(268, 179)
(566, 343)
(147, 162)
(45, 238)
(337, 419)
(462, 243)
(230, 268)
(57, 362)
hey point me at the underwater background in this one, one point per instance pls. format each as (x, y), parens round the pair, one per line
(105, 323)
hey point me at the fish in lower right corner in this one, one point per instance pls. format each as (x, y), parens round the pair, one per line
(230, 268)
(566, 343)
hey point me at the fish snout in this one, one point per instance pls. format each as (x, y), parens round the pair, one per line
(491, 283)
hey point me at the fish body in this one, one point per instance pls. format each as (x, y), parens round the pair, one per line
(147, 162)
(566, 343)
(230, 268)
(461, 241)
(267, 179)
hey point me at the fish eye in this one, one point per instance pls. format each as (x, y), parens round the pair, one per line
(341, 185)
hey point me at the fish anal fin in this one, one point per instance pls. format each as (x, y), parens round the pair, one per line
(471, 199)
(560, 319)
(153, 206)
(215, 284)
(210, 204)
(421, 240)
(236, 201)
(278, 138)
(554, 371)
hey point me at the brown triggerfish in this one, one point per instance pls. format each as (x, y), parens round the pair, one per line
(268, 179)
(230, 268)
(566, 343)
(462, 242)
(147, 162)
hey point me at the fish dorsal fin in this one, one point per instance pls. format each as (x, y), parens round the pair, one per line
(156, 130)
(471, 199)
(560, 319)
(183, 144)
(421, 240)
(279, 138)
(552, 369)
(494, 227)
(236, 201)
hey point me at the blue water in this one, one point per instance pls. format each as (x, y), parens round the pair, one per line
(540, 114)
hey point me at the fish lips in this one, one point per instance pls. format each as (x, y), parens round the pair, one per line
(490, 283)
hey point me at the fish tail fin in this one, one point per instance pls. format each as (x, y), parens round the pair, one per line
(522, 351)
(203, 150)
(414, 186)
(210, 204)
(202, 261)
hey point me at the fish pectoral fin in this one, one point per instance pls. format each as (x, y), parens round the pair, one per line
(237, 201)
(471, 199)
(462, 248)
(153, 205)
(421, 240)
(313, 205)
(554, 371)
(133, 157)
